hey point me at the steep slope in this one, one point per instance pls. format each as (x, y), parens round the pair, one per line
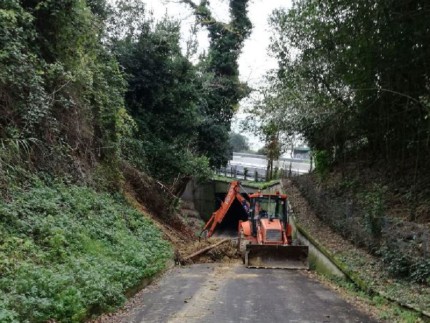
(68, 252)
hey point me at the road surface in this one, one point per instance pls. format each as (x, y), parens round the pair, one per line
(212, 293)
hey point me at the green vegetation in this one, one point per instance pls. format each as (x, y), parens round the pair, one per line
(60, 90)
(322, 163)
(364, 212)
(352, 77)
(222, 87)
(393, 265)
(85, 85)
(67, 252)
(162, 98)
(385, 309)
(374, 211)
(238, 142)
(258, 185)
(95, 97)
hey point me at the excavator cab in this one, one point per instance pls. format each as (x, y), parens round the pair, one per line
(266, 207)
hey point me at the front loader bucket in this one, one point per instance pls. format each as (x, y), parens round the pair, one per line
(272, 256)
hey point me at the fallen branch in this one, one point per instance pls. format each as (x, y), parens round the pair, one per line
(201, 251)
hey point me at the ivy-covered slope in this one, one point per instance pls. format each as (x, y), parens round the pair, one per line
(67, 252)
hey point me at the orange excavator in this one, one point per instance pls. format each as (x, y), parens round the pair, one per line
(265, 238)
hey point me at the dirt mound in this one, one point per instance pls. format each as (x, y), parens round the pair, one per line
(225, 251)
(180, 226)
(190, 216)
(156, 198)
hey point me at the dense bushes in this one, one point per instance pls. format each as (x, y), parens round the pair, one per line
(67, 252)
(60, 89)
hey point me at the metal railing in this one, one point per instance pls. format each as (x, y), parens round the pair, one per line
(254, 173)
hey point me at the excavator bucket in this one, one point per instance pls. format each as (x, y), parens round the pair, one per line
(272, 256)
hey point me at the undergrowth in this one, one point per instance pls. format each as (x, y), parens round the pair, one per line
(372, 216)
(385, 310)
(68, 252)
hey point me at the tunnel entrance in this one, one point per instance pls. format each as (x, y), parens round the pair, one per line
(230, 223)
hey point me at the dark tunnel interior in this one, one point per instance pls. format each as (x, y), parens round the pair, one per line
(230, 222)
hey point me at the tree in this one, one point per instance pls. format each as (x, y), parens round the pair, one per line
(238, 142)
(182, 112)
(270, 116)
(223, 89)
(59, 86)
(162, 97)
(357, 77)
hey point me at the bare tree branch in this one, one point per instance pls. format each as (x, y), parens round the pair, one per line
(190, 3)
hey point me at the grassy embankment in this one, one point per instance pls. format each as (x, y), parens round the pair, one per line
(68, 252)
(369, 234)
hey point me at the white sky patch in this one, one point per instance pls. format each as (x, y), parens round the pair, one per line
(255, 61)
(179, 11)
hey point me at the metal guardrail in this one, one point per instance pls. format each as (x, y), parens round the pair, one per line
(280, 160)
(253, 173)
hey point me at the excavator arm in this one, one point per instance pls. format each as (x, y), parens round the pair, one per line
(217, 217)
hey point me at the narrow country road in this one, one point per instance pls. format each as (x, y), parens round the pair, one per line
(232, 293)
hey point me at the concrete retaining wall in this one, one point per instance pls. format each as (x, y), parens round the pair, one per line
(318, 261)
(203, 195)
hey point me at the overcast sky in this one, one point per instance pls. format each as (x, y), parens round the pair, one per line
(254, 60)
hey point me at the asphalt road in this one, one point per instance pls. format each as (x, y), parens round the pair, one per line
(232, 293)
